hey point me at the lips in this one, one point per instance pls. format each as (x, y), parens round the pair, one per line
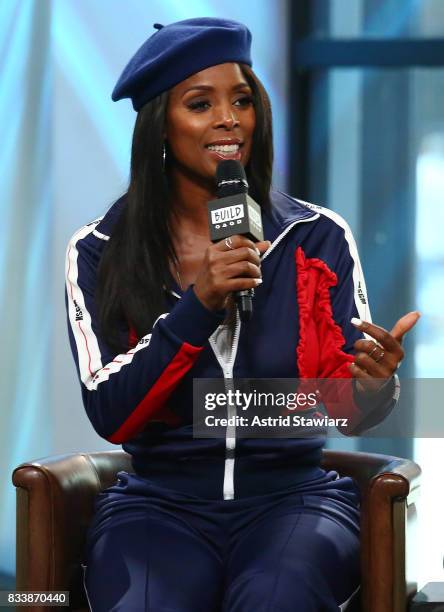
(226, 141)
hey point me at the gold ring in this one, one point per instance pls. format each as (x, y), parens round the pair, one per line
(371, 352)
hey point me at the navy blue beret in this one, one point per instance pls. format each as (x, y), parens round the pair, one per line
(176, 51)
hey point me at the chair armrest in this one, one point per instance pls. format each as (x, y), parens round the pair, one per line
(55, 500)
(389, 488)
(400, 477)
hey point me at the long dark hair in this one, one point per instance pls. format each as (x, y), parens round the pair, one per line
(134, 267)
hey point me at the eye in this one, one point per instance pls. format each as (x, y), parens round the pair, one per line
(244, 101)
(198, 105)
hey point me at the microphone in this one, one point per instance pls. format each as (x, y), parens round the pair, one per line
(235, 212)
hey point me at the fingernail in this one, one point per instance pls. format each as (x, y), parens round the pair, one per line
(258, 281)
(257, 251)
(356, 321)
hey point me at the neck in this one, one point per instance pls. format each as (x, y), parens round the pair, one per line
(189, 199)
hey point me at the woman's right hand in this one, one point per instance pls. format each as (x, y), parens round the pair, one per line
(226, 269)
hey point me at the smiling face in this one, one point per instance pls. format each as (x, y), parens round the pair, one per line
(210, 117)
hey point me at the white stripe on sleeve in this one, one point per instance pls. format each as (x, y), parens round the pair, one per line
(88, 351)
(119, 361)
(92, 370)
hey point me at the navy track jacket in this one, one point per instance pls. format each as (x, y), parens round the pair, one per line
(143, 399)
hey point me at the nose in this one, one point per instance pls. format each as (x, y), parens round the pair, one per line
(227, 118)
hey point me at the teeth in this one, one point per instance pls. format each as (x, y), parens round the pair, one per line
(224, 148)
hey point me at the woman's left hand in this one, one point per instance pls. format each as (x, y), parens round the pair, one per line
(380, 359)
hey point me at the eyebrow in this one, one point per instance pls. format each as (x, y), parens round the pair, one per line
(242, 85)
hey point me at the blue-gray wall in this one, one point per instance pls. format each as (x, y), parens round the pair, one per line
(63, 159)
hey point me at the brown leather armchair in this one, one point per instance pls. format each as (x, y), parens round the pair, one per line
(55, 503)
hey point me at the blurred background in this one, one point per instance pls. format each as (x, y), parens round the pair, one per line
(357, 88)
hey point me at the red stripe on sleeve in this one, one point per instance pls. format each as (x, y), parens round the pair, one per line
(158, 394)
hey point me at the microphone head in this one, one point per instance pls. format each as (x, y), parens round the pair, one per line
(230, 178)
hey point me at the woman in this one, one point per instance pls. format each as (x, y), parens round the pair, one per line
(213, 524)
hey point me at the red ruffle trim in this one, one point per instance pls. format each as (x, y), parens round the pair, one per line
(319, 352)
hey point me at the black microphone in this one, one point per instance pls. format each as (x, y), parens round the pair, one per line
(235, 212)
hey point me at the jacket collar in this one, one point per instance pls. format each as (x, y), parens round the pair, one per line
(285, 210)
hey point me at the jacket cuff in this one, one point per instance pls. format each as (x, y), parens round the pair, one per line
(191, 321)
(388, 394)
(376, 407)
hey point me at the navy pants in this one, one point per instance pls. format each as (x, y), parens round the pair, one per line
(157, 550)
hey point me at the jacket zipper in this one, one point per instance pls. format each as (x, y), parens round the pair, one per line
(227, 369)
(230, 436)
